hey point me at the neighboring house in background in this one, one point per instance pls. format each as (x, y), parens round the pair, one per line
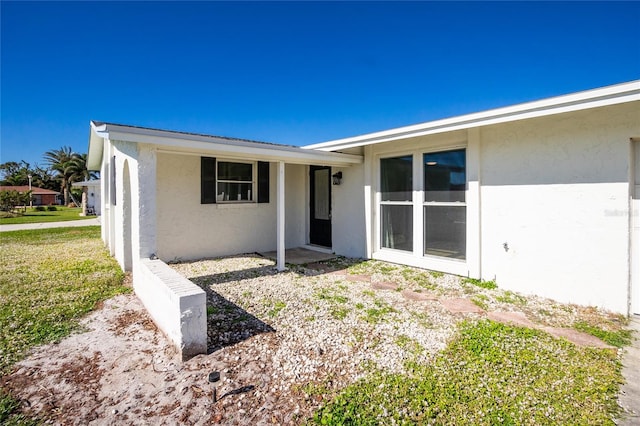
(541, 197)
(40, 196)
(93, 204)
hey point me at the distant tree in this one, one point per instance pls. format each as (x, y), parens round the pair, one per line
(9, 200)
(61, 162)
(44, 178)
(15, 174)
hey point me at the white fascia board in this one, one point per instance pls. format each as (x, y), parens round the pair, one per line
(610, 95)
(96, 141)
(209, 145)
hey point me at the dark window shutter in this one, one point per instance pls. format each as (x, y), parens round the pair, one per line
(207, 180)
(263, 182)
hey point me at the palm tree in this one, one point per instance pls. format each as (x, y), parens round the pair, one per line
(79, 164)
(61, 161)
(80, 169)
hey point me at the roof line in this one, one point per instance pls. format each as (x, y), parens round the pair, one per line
(106, 124)
(207, 144)
(618, 93)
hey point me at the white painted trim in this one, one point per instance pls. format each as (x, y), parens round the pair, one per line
(473, 203)
(634, 227)
(449, 266)
(281, 219)
(369, 201)
(188, 144)
(417, 257)
(610, 95)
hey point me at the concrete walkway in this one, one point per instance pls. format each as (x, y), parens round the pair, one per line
(629, 397)
(70, 223)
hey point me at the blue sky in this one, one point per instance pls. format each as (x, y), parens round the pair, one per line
(293, 73)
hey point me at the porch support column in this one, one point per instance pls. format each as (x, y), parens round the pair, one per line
(280, 222)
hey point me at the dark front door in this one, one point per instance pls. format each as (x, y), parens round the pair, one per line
(320, 194)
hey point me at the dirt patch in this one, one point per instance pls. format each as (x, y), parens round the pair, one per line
(123, 322)
(122, 370)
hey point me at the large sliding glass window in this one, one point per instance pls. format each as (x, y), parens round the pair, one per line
(445, 211)
(396, 203)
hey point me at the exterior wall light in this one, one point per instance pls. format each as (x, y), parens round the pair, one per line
(337, 178)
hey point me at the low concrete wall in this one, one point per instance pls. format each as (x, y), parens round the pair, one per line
(177, 306)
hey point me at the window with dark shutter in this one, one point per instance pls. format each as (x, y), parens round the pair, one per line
(225, 182)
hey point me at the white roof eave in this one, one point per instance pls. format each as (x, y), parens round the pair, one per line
(96, 143)
(190, 144)
(610, 95)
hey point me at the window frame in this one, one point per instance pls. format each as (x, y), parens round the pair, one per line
(425, 204)
(253, 182)
(419, 257)
(382, 203)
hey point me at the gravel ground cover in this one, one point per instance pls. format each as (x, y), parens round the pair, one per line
(312, 331)
(317, 328)
(286, 343)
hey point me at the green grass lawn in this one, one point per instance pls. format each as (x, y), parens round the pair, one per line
(48, 279)
(32, 216)
(490, 374)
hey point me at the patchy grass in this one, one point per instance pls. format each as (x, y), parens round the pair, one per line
(9, 406)
(618, 338)
(379, 313)
(480, 300)
(489, 285)
(339, 313)
(48, 279)
(331, 295)
(370, 267)
(420, 278)
(61, 214)
(489, 374)
(276, 307)
(512, 298)
(409, 344)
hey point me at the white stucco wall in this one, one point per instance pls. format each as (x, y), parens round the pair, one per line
(187, 229)
(556, 191)
(348, 213)
(125, 214)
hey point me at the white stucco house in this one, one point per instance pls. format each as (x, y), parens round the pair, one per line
(91, 189)
(542, 197)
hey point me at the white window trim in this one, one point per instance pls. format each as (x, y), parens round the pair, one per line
(380, 202)
(253, 182)
(417, 258)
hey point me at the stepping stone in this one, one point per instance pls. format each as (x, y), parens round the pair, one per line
(384, 285)
(577, 337)
(414, 295)
(463, 306)
(512, 318)
(359, 278)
